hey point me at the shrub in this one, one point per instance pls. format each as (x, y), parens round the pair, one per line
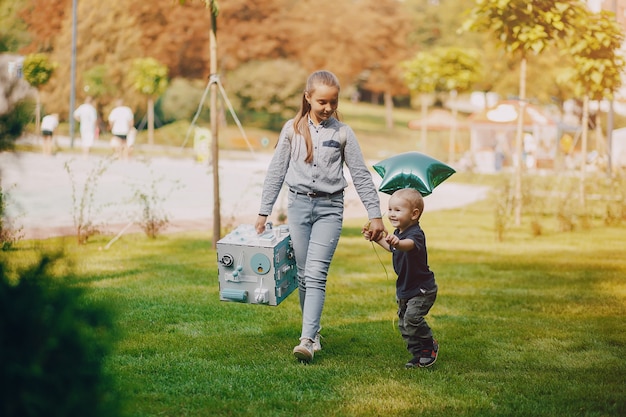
(13, 123)
(53, 342)
(8, 235)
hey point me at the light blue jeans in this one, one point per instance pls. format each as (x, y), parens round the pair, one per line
(314, 225)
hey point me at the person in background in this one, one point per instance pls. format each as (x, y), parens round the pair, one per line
(309, 158)
(49, 123)
(121, 121)
(87, 116)
(416, 289)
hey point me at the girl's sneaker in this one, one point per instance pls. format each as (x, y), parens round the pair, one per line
(304, 351)
(317, 342)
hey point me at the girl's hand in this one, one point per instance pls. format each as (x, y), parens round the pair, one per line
(259, 226)
(377, 229)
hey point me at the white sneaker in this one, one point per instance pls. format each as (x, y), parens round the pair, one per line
(317, 342)
(304, 351)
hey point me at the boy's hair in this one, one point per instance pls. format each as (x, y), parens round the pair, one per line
(301, 121)
(413, 197)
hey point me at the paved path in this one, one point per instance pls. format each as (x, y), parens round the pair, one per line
(40, 196)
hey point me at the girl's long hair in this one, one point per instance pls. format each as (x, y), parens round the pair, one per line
(301, 121)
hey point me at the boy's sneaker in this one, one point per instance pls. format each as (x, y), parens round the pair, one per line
(317, 342)
(425, 358)
(304, 351)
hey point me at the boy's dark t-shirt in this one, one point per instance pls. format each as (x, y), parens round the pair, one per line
(412, 267)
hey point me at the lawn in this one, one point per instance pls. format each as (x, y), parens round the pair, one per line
(531, 326)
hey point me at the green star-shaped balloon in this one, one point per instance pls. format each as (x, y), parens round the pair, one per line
(412, 170)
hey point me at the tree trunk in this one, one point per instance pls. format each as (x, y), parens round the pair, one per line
(150, 120)
(389, 110)
(518, 143)
(452, 144)
(38, 115)
(583, 152)
(214, 124)
(424, 127)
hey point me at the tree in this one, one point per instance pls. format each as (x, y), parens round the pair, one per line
(16, 103)
(448, 70)
(13, 34)
(260, 87)
(385, 45)
(597, 70)
(150, 79)
(524, 28)
(37, 69)
(44, 20)
(421, 78)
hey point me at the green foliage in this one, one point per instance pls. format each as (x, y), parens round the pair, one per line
(53, 344)
(96, 82)
(38, 69)
(13, 123)
(149, 77)
(153, 218)
(13, 34)
(9, 235)
(263, 87)
(443, 70)
(84, 205)
(181, 100)
(598, 63)
(526, 27)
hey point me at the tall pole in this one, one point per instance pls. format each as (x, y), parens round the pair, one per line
(214, 130)
(519, 137)
(73, 73)
(610, 124)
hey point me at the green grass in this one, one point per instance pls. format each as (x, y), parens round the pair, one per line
(532, 326)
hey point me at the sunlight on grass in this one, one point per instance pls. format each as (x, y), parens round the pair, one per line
(530, 326)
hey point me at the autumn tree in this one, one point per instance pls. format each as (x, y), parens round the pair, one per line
(44, 20)
(385, 47)
(96, 45)
(13, 30)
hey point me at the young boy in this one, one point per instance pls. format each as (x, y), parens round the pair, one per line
(416, 289)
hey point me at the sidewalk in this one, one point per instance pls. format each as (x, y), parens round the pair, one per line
(40, 197)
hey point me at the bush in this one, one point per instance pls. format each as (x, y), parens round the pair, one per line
(13, 123)
(53, 343)
(181, 100)
(261, 88)
(9, 235)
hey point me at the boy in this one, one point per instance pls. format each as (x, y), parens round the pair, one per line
(416, 289)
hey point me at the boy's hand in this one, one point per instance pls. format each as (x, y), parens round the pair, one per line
(392, 240)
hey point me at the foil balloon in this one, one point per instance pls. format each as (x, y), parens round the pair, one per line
(412, 170)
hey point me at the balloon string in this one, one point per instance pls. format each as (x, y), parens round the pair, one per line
(393, 320)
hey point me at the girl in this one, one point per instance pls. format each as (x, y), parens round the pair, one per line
(309, 158)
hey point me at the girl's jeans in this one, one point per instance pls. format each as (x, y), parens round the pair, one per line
(314, 227)
(413, 327)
